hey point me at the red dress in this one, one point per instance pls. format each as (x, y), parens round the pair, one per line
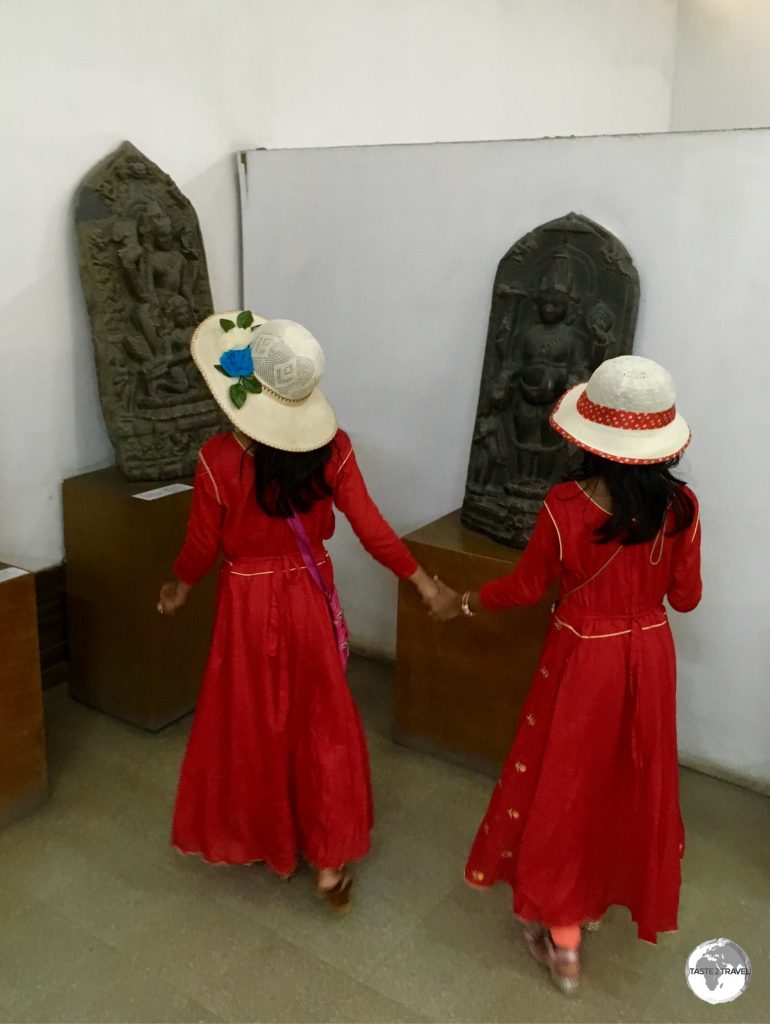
(586, 813)
(276, 765)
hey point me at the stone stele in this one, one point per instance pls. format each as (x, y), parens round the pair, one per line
(565, 299)
(143, 269)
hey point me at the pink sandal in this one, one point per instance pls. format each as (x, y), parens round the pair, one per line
(563, 965)
(534, 935)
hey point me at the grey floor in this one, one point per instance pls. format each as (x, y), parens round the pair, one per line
(102, 921)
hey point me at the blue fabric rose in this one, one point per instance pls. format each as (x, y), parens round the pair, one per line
(237, 362)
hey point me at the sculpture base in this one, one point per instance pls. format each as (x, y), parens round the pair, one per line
(461, 685)
(22, 744)
(507, 519)
(125, 658)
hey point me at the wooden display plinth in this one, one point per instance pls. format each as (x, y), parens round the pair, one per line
(22, 743)
(461, 685)
(125, 658)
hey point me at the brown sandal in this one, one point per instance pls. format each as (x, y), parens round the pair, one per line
(339, 896)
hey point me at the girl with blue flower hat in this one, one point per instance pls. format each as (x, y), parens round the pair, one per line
(276, 767)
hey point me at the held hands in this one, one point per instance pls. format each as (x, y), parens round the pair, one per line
(447, 604)
(442, 602)
(173, 596)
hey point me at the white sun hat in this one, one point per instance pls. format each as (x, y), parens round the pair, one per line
(264, 374)
(626, 413)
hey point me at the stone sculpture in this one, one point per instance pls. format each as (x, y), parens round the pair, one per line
(565, 299)
(143, 270)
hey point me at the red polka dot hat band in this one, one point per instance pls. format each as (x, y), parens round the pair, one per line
(625, 419)
(626, 413)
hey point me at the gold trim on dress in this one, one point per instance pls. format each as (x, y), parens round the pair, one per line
(593, 502)
(695, 528)
(272, 572)
(343, 463)
(605, 636)
(211, 477)
(242, 445)
(598, 572)
(555, 526)
(660, 535)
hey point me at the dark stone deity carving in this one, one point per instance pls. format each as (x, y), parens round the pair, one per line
(143, 270)
(565, 299)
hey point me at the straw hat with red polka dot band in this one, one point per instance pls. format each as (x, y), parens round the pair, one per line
(625, 413)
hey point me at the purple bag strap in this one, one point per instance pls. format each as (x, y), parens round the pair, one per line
(306, 550)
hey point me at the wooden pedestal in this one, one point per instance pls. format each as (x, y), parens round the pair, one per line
(125, 658)
(461, 685)
(22, 745)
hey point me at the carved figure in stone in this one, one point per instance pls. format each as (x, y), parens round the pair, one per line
(600, 322)
(565, 298)
(554, 355)
(143, 269)
(491, 439)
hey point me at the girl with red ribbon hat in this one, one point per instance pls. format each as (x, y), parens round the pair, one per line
(586, 813)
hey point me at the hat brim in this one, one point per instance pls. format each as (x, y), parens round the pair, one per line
(637, 447)
(267, 418)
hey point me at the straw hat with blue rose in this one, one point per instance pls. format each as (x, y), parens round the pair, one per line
(264, 374)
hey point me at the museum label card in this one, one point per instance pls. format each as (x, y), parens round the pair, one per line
(11, 573)
(162, 492)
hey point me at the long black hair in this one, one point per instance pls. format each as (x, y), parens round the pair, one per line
(288, 481)
(641, 497)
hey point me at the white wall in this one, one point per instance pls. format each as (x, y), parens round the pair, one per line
(389, 254)
(723, 65)
(192, 82)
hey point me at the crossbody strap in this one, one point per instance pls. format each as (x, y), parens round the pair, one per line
(306, 551)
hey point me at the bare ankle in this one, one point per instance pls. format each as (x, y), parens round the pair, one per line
(327, 878)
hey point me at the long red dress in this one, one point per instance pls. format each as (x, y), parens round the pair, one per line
(586, 813)
(276, 765)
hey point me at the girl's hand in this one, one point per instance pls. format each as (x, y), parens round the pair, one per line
(427, 588)
(447, 604)
(173, 596)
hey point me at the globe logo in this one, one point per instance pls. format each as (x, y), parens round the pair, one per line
(718, 971)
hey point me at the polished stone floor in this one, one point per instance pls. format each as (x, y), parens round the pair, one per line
(102, 921)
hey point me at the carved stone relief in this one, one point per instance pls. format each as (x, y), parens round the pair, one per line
(143, 270)
(565, 299)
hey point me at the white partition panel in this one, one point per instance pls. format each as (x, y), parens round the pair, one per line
(388, 254)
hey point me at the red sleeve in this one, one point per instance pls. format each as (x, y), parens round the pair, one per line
(204, 528)
(378, 538)
(685, 587)
(538, 568)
